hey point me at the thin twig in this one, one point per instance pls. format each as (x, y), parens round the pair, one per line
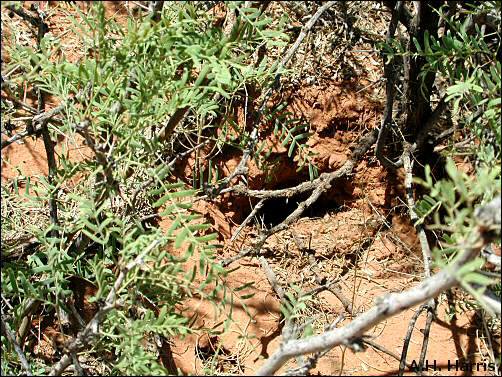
(258, 206)
(430, 307)
(6, 331)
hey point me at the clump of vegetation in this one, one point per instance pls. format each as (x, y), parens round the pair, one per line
(128, 97)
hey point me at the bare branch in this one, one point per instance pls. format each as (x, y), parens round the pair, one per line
(394, 303)
(6, 331)
(319, 186)
(390, 76)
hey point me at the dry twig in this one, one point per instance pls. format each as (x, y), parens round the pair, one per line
(430, 307)
(6, 331)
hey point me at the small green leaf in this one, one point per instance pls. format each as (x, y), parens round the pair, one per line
(180, 238)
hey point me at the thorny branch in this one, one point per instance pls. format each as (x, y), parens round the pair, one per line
(488, 228)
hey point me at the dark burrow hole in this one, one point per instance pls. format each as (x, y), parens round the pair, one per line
(277, 210)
